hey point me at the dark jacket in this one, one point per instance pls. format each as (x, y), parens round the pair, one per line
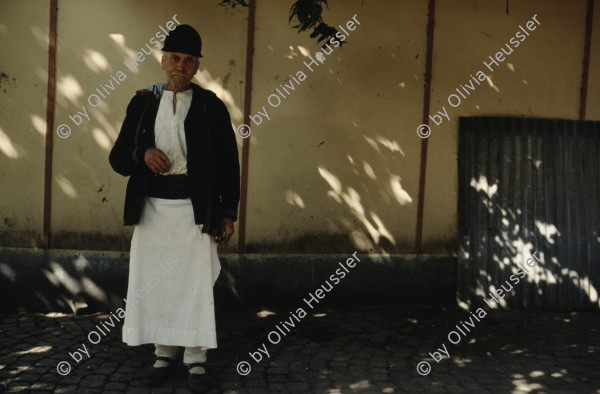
(212, 156)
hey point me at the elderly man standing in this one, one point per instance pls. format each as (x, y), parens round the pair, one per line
(179, 150)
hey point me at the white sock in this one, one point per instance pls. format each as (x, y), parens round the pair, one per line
(160, 364)
(198, 370)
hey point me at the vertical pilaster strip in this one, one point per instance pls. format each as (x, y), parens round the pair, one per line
(424, 141)
(246, 141)
(586, 58)
(49, 124)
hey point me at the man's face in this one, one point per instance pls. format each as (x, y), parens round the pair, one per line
(180, 69)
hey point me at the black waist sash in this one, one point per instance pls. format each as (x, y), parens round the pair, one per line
(172, 187)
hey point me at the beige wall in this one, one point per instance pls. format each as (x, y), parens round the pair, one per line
(337, 165)
(333, 169)
(23, 87)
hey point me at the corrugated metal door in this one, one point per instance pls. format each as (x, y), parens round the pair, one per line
(527, 185)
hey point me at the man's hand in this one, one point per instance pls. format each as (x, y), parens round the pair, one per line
(226, 231)
(157, 161)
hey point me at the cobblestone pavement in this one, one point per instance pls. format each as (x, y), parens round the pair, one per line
(366, 350)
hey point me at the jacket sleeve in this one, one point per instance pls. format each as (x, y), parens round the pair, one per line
(229, 179)
(125, 156)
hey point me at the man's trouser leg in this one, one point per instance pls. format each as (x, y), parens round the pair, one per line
(195, 354)
(199, 378)
(165, 351)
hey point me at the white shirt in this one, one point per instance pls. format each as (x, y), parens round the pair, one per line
(169, 129)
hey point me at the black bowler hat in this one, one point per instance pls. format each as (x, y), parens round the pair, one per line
(184, 39)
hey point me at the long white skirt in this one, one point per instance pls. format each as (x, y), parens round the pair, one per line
(172, 270)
